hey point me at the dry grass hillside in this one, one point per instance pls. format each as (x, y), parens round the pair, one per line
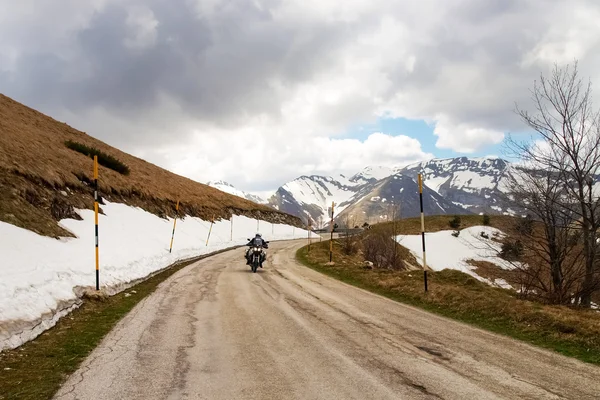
(43, 181)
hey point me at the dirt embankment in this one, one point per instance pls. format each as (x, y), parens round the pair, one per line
(43, 181)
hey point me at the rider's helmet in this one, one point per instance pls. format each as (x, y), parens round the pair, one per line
(258, 235)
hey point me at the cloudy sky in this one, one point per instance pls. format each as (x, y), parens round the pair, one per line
(257, 92)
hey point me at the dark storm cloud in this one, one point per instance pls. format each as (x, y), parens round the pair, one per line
(221, 69)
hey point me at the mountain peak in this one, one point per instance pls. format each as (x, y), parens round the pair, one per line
(229, 188)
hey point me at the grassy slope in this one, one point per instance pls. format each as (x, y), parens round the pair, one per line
(574, 333)
(35, 166)
(436, 223)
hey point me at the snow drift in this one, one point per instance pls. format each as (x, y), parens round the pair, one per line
(446, 251)
(41, 277)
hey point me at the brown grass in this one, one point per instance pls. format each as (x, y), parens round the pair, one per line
(573, 332)
(36, 166)
(491, 271)
(436, 223)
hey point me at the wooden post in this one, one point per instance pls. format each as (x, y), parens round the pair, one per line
(209, 231)
(174, 225)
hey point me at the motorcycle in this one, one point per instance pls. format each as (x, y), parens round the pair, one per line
(256, 253)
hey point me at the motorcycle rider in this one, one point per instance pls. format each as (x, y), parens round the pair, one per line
(256, 241)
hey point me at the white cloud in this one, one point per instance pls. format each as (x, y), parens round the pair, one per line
(464, 137)
(220, 89)
(277, 159)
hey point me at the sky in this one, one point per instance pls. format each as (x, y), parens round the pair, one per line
(259, 92)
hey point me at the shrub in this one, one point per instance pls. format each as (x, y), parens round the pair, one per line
(383, 251)
(486, 219)
(455, 222)
(524, 226)
(104, 159)
(512, 250)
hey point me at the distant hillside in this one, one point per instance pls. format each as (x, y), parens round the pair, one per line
(43, 181)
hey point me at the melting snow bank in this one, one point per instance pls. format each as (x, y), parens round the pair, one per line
(41, 278)
(446, 251)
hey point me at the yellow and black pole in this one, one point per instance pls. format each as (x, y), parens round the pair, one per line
(308, 232)
(210, 230)
(174, 224)
(423, 231)
(331, 239)
(96, 222)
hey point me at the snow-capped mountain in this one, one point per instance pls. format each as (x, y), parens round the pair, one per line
(371, 174)
(400, 192)
(476, 184)
(452, 186)
(313, 195)
(228, 188)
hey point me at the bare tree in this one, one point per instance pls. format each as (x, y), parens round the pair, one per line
(550, 262)
(569, 149)
(380, 245)
(349, 244)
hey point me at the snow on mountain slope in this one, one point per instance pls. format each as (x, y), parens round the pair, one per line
(372, 203)
(313, 195)
(477, 184)
(42, 276)
(463, 185)
(228, 188)
(370, 174)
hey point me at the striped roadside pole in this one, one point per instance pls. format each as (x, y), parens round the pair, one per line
(331, 239)
(308, 227)
(96, 222)
(210, 230)
(423, 231)
(174, 224)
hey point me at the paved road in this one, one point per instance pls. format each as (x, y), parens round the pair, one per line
(214, 330)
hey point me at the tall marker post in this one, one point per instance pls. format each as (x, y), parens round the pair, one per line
(231, 239)
(96, 222)
(174, 224)
(308, 226)
(423, 231)
(210, 230)
(331, 229)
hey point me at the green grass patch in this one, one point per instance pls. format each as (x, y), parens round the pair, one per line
(453, 294)
(104, 159)
(37, 369)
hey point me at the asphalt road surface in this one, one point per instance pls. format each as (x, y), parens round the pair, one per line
(215, 330)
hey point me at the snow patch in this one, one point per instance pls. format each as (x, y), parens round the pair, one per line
(40, 277)
(446, 251)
